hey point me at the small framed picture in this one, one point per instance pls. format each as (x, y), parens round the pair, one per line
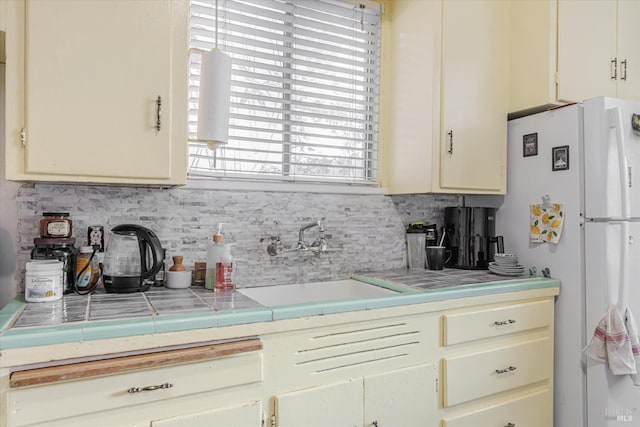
(560, 158)
(530, 145)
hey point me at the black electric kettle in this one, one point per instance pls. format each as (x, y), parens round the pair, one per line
(133, 257)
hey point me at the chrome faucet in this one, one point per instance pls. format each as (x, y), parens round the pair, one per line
(316, 245)
(319, 245)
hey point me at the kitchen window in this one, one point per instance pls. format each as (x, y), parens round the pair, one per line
(304, 90)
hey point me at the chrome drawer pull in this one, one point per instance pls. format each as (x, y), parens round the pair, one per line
(504, 322)
(149, 388)
(158, 113)
(504, 371)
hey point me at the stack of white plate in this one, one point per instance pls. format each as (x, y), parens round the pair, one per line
(506, 265)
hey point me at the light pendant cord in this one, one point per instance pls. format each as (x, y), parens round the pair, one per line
(216, 24)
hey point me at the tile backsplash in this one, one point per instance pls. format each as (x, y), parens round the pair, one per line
(367, 231)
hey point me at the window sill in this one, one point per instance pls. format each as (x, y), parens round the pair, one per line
(199, 183)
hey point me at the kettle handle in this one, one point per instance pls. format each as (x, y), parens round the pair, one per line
(149, 239)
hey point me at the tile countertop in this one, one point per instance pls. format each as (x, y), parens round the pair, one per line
(97, 316)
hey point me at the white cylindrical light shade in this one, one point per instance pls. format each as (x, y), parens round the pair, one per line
(215, 97)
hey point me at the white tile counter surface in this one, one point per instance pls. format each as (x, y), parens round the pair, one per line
(154, 302)
(77, 318)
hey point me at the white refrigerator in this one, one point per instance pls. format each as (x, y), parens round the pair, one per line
(595, 152)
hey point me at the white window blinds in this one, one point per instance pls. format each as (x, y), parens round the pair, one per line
(304, 91)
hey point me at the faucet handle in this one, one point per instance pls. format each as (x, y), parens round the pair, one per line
(275, 247)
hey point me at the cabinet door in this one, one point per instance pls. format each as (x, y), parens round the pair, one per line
(629, 50)
(3, 26)
(474, 95)
(586, 47)
(411, 44)
(248, 415)
(406, 397)
(532, 54)
(336, 405)
(94, 71)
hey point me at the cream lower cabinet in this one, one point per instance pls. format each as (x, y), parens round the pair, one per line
(247, 415)
(370, 368)
(531, 410)
(104, 100)
(444, 96)
(404, 397)
(497, 368)
(172, 391)
(467, 362)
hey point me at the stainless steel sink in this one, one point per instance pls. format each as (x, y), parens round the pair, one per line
(313, 292)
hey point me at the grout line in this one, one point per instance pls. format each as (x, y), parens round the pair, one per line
(154, 312)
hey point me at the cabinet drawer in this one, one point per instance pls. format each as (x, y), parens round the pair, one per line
(492, 322)
(479, 374)
(57, 400)
(532, 410)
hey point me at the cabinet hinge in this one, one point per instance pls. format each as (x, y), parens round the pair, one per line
(23, 137)
(556, 76)
(437, 386)
(273, 421)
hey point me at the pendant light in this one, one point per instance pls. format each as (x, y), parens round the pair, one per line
(215, 95)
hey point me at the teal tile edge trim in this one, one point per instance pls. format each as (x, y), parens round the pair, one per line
(184, 322)
(243, 316)
(292, 311)
(394, 300)
(26, 337)
(384, 284)
(105, 329)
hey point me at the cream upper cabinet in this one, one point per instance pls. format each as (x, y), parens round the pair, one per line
(532, 54)
(3, 19)
(586, 49)
(571, 50)
(444, 96)
(629, 49)
(97, 91)
(474, 96)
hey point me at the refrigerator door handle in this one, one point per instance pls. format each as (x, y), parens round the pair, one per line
(615, 122)
(623, 287)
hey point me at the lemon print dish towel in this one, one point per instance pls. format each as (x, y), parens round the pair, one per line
(546, 223)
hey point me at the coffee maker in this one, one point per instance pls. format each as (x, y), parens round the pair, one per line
(470, 235)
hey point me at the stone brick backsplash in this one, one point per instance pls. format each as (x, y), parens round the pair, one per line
(367, 231)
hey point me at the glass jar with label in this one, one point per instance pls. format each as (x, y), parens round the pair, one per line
(87, 269)
(55, 225)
